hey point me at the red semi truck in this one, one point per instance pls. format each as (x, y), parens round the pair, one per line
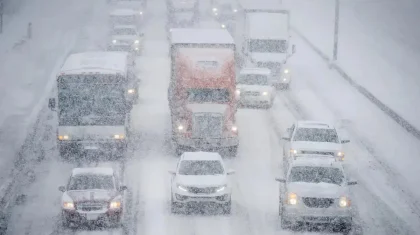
(202, 91)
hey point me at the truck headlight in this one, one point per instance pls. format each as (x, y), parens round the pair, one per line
(63, 137)
(238, 92)
(235, 10)
(344, 202)
(223, 26)
(293, 151)
(131, 91)
(180, 127)
(118, 137)
(292, 199)
(265, 93)
(286, 71)
(182, 188)
(221, 188)
(234, 128)
(115, 204)
(114, 41)
(214, 9)
(69, 205)
(137, 42)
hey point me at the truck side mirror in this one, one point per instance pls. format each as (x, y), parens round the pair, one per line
(51, 104)
(293, 49)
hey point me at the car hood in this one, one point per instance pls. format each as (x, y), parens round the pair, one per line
(92, 195)
(317, 190)
(208, 108)
(269, 57)
(260, 88)
(201, 180)
(125, 37)
(316, 146)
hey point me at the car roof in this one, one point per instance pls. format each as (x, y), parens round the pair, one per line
(200, 36)
(110, 62)
(201, 156)
(262, 71)
(93, 170)
(314, 124)
(316, 161)
(263, 6)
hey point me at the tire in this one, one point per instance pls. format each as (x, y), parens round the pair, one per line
(227, 208)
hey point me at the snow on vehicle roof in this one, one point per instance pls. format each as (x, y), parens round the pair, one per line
(201, 156)
(314, 124)
(121, 26)
(200, 36)
(261, 71)
(124, 12)
(106, 62)
(313, 160)
(93, 171)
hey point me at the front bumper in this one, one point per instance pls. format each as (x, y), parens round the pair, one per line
(182, 197)
(84, 217)
(110, 146)
(206, 144)
(332, 215)
(255, 100)
(135, 48)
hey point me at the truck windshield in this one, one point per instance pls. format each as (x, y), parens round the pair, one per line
(91, 181)
(253, 79)
(205, 95)
(91, 104)
(268, 46)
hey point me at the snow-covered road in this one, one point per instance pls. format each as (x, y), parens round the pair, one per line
(383, 207)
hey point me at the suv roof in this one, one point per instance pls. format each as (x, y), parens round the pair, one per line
(314, 124)
(93, 171)
(201, 156)
(317, 160)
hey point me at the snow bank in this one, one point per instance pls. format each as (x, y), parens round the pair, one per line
(378, 45)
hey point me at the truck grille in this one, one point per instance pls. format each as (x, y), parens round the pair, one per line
(206, 190)
(208, 126)
(251, 93)
(318, 202)
(91, 206)
(318, 152)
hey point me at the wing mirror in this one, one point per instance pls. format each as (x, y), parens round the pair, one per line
(345, 141)
(51, 104)
(286, 136)
(230, 172)
(281, 180)
(123, 188)
(62, 189)
(352, 182)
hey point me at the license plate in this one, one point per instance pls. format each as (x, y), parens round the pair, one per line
(91, 147)
(92, 216)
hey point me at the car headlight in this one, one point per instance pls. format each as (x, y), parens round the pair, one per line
(141, 13)
(238, 92)
(216, 13)
(265, 93)
(182, 188)
(137, 42)
(68, 205)
(116, 203)
(286, 71)
(235, 10)
(293, 151)
(292, 199)
(214, 9)
(118, 137)
(63, 137)
(344, 202)
(221, 188)
(340, 155)
(234, 128)
(223, 26)
(131, 91)
(114, 41)
(181, 127)
(136, 48)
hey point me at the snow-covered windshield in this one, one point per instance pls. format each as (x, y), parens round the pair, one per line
(308, 174)
(268, 46)
(316, 135)
(124, 31)
(206, 95)
(91, 104)
(188, 167)
(91, 181)
(253, 79)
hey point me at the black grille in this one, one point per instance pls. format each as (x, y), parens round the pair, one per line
(251, 93)
(318, 202)
(90, 206)
(318, 152)
(207, 190)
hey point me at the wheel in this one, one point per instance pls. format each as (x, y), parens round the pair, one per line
(227, 208)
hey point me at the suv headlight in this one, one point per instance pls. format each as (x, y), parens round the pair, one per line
(344, 202)
(292, 199)
(182, 188)
(68, 205)
(265, 93)
(131, 91)
(63, 137)
(286, 71)
(118, 136)
(293, 151)
(115, 203)
(137, 42)
(214, 9)
(221, 188)
(340, 154)
(114, 41)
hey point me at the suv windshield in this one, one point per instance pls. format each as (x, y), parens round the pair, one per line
(91, 181)
(316, 135)
(307, 174)
(253, 79)
(188, 167)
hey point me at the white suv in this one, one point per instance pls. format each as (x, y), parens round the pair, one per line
(201, 177)
(316, 191)
(312, 137)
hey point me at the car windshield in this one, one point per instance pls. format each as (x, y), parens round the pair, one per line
(91, 181)
(188, 167)
(330, 175)
(205, 95)
(124, 31)
(316, 135)
(253, 79)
